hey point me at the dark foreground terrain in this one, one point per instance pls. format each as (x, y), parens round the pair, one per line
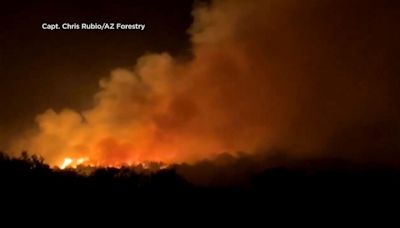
(28, 179)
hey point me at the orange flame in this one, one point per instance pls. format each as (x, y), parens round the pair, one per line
(73, 163)
(67, 162)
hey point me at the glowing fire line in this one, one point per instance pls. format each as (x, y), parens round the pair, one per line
(73, 163)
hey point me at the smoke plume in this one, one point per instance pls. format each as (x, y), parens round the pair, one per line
(311, 78)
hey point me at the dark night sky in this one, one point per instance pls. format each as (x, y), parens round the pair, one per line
(313, 78)
(41, 69)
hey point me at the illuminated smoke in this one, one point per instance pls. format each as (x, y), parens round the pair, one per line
(310, 78)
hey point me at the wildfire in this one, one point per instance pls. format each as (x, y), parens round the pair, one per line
(73, 163)
(66, 163)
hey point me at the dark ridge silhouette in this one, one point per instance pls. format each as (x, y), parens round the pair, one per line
(225, 178)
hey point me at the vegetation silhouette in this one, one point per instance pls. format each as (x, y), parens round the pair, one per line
(225, 178)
